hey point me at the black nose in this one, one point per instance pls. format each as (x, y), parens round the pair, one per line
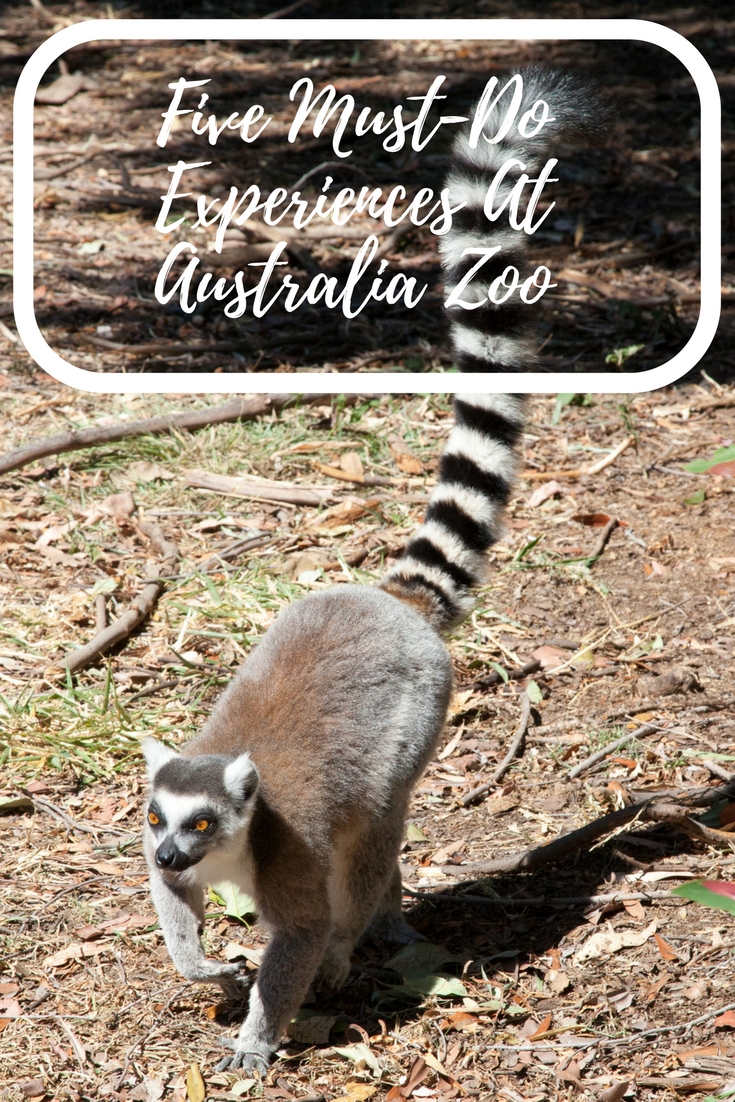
(166, 855)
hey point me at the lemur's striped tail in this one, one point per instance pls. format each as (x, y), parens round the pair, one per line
(500, 337)
(445, 561)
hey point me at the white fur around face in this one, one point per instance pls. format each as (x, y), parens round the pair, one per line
(156, 755)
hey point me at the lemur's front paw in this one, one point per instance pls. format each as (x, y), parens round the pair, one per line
(254, 1056)
(230, 977)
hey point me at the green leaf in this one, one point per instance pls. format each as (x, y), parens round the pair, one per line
(619, 355)
(534, 693)
(422, 958)
(414, 833)
(15, 803)
(311, 1028)
(561, 401)
(441, 985)
(500, 671)
(695, 499)
(234, 902)
(718, 894)
(520, 555)
(104, 585)
(722, 455)
(362, 1057)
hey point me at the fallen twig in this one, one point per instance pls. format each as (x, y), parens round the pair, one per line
(265, 489)
(518, 737)
(238, 409)
(548, 900)
(100, 612)
(580, 472)
(717, 770)
(593, 644)
(360, 479)
(537, 857)
(582, 766)
(678, 817)
(686, 1026)
(56, 812)
(234, 550)
(121, 628)
(603, 538)
(494, 678)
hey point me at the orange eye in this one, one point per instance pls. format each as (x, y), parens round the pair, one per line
(201, 824)
(153, 818)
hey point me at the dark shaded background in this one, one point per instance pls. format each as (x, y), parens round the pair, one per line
(610, 185)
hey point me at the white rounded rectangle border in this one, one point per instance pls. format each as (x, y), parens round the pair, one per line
(532, 382)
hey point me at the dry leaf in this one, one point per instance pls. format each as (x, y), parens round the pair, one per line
(145, 471)
(356, 1092)
(605, 942)
(32, 1088)
(60, 558)
(651, 992)
(570, 1074)
(351, 464)
(726, 1020)
(497, 805)
(614, 1093)
(74, 952)
(551, 656)
(195, 1090)
(54, 532)
(61, 89)
(113, 925)
(442, 855)
(542, 1028)
(635, 909)
(697, 991)
(405, 459)
(543, 492)
(621, 1000)
(667, 951)
(557, 982)
(118, 506)
(592, 520)
(10, 1008)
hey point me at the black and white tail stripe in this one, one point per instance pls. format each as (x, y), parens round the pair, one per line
(445, 560)
(500, 337)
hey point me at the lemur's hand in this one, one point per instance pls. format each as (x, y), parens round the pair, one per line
(230, 977)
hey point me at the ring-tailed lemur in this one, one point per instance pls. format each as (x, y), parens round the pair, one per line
(297, 788)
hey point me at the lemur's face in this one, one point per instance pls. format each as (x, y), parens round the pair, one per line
(196, 806)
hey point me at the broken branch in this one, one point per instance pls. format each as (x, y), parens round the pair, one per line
(582, 766)
(518, 737)
(539, 856)
(126, 624)
(580, 472)
(494, 678)
(239, 409)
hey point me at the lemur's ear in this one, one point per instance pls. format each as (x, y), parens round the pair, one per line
(156, 755)
(241, 778)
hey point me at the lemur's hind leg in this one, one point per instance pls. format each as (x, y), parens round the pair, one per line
(388, 922)
(364, 870)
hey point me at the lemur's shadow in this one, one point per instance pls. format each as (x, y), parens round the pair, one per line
(501, 938)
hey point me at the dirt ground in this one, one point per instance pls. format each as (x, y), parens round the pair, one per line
(622, 242)
(95, 1008)
(585, 978)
